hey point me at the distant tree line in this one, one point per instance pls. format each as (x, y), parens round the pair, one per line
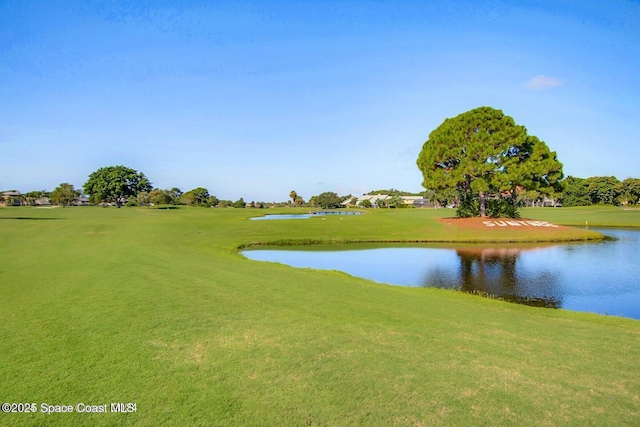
(120, 185)
(393, 192)
(600, 190)
(571, 191)
(64, 195)
(328, 200)
(27, 199)
(125, 186)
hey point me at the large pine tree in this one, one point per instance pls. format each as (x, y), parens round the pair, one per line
(484, 151)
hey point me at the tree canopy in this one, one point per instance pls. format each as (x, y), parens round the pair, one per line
(631, 190)
(484, 152)
(158, 196)
(329, 200)
(64, 194)
(115, 184)
(196, 197)
(600, 190)
(393, 192)
(296, 200)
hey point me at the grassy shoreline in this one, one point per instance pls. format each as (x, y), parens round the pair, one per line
(398, 226)
(157, 307)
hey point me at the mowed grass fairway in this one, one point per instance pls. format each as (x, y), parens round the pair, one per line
(156, 307)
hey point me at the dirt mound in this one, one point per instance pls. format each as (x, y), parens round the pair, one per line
(501, 223)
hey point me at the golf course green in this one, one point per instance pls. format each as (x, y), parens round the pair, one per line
(156, 310)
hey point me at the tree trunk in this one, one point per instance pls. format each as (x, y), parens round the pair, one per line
(483, 212)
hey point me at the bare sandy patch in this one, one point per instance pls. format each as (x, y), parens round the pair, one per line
(517, 225)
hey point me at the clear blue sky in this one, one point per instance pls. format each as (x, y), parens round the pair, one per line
(254, 99)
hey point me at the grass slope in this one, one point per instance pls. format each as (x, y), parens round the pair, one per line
(592, 216)
(401, 225)
(156, 307)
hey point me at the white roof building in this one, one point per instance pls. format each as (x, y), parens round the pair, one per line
(374, 198)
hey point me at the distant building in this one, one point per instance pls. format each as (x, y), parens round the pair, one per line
(374, 199)
(82, 201)
(42, 201)
(419, 202)
(15, 198)
(10, 198)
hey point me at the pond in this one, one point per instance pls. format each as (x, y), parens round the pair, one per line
(280, 216)
(601, 277)
(304, 216)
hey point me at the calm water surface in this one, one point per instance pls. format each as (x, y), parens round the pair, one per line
(280, 216)
(305, 216)
(602, 277)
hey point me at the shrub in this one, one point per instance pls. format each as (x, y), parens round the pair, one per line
(469, 206)
(501, 208)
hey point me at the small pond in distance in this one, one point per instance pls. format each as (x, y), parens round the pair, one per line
(280, 216)
(304, 216)
(601, 277)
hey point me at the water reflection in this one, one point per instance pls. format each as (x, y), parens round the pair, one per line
(493, 272)
(602, 277)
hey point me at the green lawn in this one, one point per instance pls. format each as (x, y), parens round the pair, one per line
(156, 307)
(592, 216)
